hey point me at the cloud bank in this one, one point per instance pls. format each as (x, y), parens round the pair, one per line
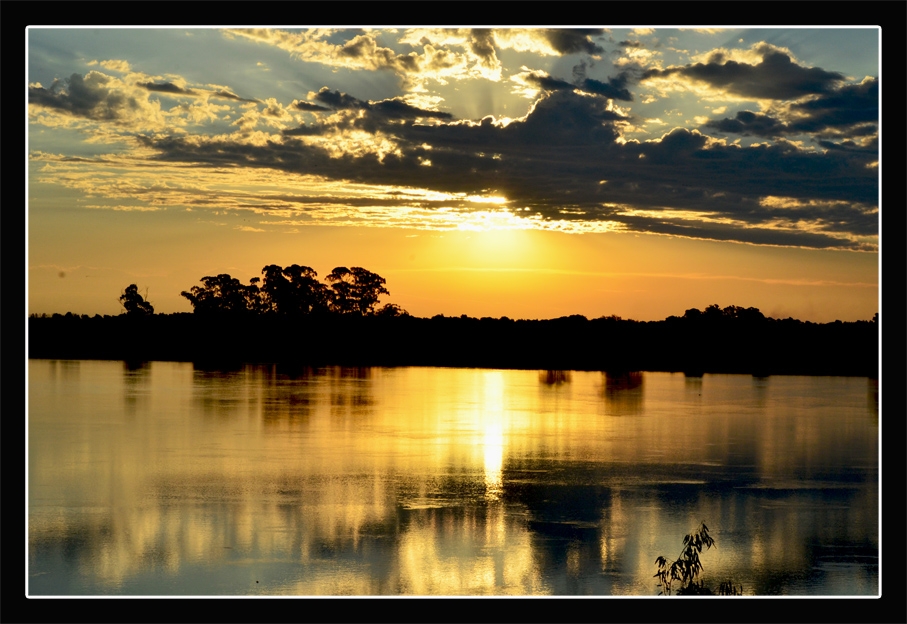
(794, 163)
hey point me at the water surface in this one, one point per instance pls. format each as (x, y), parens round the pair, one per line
(163, 479)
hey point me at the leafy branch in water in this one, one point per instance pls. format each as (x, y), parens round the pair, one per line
(687, 567)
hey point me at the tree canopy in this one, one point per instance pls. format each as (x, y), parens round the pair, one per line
(134, 303)
(293, 291)
(355, 291)
(223, 294)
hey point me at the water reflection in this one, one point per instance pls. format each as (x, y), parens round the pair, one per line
(554, 377)
(624, 392)
(136, 376)
(443, 481)
(873, 399)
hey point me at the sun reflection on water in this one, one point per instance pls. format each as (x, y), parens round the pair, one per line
(432, 482)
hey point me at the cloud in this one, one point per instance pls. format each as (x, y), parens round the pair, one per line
(96, 97)
(166, 87)
(362, 52)
(116, 65)
(275, 115)
(365, 50)
(564, 168)
(732, 232)
(308, 106)
(133, 102)
(570, 163)
(749, 123)
(705, 31)
(615, 88)
(482, 45)
(574, 40)
(550, 41)
(394, 108)
(847, 106)
(437, 54)
(86, 96)
(851, 110)
(227, 95)
(776, 76)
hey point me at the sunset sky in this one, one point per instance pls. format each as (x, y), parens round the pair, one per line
(532, 173)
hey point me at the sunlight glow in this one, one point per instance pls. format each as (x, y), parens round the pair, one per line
(488, 220)
(479, 199)
(493, 438)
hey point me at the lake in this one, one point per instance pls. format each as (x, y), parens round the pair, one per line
(161, 478)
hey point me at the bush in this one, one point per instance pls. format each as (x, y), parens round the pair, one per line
(687, 567)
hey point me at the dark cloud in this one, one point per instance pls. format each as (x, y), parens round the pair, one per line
(564, 118)
(87, 97)
(748, 123)
(579, 72)
(165, 87)
(308, 106)
(615, 88)
(871, 148)
(232, 96)
(564, 155)
(732, 233)
(305, 130)
(358, 46)
(398, 109)
(849, 105)
(630, 44)
(852, 110)
(393, 108)
(776, 77)
(548, 83)
(481, 43)
(366, 47)
(338, 100)
(574, 40)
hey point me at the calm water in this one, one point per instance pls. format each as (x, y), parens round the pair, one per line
(163, 479)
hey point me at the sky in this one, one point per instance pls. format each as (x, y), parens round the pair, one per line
(528, 173)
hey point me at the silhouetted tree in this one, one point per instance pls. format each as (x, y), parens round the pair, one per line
(134, 303)
(391, 310)
(712, 312)
(223, 294)
(692, 313)
(293, 290)
(355, 291)
(255, 302)
(687, 567)
(743, 314)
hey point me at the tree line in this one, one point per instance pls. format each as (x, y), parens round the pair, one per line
(283, 291)
(294, 291)
(340, 321)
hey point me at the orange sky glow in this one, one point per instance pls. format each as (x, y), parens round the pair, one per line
(528, 173)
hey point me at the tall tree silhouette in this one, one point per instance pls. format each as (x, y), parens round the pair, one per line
(293, 291)
(223, 294)
(134, 303)
(355, 290)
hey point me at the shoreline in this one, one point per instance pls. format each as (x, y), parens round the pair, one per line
(695, 347)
